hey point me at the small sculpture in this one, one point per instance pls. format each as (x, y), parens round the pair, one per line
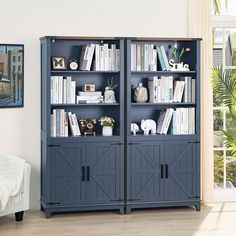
(140, 93)
(88, 126)
(109, 94)
(148, 125)
(134, 128)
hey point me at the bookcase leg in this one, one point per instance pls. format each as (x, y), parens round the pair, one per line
(128, 210)
(122, 210)
(48, 214)
(198, 206)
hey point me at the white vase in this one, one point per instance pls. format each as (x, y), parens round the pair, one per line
(107, 131)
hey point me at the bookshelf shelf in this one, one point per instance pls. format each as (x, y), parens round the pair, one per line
(164, 104)
(163, 72)
(83, 105)
(82, 72)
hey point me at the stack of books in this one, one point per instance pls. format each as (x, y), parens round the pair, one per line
(166, 89)
(178, 121)
(63, 90)
(59, 123)
(100, 57)
(146, 57)
(90, 97)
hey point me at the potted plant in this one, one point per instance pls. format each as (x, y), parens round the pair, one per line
(109, 94)
(107, 124)
(176, 63)
(224, 87)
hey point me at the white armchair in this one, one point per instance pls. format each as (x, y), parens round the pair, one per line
(18, 207)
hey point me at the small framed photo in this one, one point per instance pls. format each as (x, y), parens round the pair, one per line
(58, 63)
(89, 88)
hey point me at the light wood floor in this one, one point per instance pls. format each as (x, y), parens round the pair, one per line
(215, 219)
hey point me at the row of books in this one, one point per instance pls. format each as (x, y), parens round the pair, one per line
(178, 121)
(89, 97)
(63, 90)
(100, 57)
(146, 57)
(60, 122)
(166, 89)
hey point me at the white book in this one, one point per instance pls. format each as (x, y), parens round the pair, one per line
(71, 122)
(52, 125)
(64, 91)
(52, 89)
(56, 91)
(146, 61)
(117, 59)
(160, 121)
(164, 121)
(109, 59)
(60, 89)
(170, 88)
(193, 91)
(113, 57)
(62, 123)
(90, 56)
(132, 67)
(106, 60)
(97, 93)
(66, 134)
(138, 57)
(176, 90)
(168, 120)
(97, 57)
(84, 57)
(76, 125)
(68, 89)
(54, 112)
(102, 61)
(162, 88)
(185, 121)
(181, 91)
(177, 120)
(193, 119)
(154, 60)
(73, 91)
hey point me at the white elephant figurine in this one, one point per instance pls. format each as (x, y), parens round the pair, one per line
(134, 128)
(148, 125)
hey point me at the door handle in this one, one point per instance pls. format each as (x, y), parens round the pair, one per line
(166, 171)
(88, 173)
(83, 173)
(162, 173)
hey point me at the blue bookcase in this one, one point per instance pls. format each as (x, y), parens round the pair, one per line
(122, 171)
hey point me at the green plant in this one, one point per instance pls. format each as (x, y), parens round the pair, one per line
(177, 55)
(224, 85)
(110, 84)
(217, 6)
(107, 121)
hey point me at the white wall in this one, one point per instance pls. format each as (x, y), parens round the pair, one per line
(26, 20)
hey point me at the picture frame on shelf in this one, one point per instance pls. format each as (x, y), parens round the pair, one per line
(11, 75)
(58, 63)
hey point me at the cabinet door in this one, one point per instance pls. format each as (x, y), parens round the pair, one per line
(67, 187)
(145, 182)
(104, 173)
(181, 175)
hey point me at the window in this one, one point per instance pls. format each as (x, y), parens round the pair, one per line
(224, 53)
(14, 58)
(19, 59)
(19, 68)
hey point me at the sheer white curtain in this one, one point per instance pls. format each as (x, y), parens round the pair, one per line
(200, 25)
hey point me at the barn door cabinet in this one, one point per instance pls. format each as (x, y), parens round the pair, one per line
(124, 171)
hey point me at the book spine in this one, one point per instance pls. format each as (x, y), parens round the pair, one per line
(165, 121)
(52, 125)
(138, 59)
(54, 134)
(154, 60)
(117, 59)
(102, 58)
(165, 59)
(174, 123)
(90, 57)
(193, 90)
(62, 123)
(66, 134)
(106, 60)
(109, 59)
(52, 89)
(84, 57)
(58, 131)
(73, 91)
(113, 57)
(160, 58)
(76, 125)
(68, 89)
(71, 123)
(168, 120)
(170, 88)
(146, 61)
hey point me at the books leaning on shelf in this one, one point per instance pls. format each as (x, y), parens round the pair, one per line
(146, 57)
(62, 90)
(60, 121)
(178, 121)
(90, 97)
(166, 89)
(100, 57)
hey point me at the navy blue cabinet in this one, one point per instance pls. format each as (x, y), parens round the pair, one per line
(123, 171)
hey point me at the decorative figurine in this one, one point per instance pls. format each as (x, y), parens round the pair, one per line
(88, 126)
(107, 124)
(148, 125)
(134, 128)
(109, 94)
(140, 93)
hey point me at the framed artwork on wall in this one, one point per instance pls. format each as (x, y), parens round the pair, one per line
(11, 75)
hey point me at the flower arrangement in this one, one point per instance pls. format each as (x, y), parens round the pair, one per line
(107, 121)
